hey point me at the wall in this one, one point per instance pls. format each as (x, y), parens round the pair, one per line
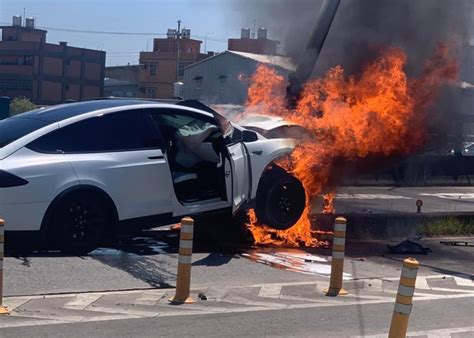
(222, 80)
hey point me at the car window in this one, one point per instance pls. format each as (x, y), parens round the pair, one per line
(12, 129)
(121, 131)
(171, 121)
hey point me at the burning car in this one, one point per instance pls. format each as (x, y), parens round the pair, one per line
(275, 127)
(73, 173)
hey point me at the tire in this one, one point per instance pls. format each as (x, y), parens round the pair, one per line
(78, 222)
(280, 199)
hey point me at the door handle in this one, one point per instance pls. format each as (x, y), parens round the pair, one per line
(160, 157)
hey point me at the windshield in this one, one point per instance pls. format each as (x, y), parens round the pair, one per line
(12, 129)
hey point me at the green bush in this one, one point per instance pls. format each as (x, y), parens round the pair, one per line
(449, 226)
(20, 105)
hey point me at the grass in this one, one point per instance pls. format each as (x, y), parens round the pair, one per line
(449, 226)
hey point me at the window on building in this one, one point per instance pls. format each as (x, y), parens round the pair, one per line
(29, 60)
(153, 67)
(122, 131)
(15, 84)
(198, 81)
(151, 93)
(223, 79)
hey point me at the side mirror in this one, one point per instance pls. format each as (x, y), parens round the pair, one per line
(249, 136)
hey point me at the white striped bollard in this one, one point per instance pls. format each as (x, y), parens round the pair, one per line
(183, 280)
(404, 301)
(337, 263)
(3, 309)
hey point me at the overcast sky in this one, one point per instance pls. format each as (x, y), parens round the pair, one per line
(201, 16)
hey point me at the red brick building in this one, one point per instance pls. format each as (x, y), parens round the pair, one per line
(157, 73)
(44, 72)
(260, 45)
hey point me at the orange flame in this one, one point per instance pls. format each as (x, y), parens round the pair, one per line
(381, 112)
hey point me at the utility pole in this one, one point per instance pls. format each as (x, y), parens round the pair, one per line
(178, 50)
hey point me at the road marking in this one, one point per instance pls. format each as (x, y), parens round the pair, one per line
(13, 303)
(450, 196)
(441, 333)
(247, 305)
(150, 298)
(270, 290)
(126, 314)
(422, 283)
(463, 281)
(122, 311)
(80, 302)
(371, 197)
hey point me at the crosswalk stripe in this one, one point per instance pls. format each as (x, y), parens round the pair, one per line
(463, 281)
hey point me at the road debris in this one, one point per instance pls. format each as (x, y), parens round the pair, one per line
(408, 247)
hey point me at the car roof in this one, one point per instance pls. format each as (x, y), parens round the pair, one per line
(64, 111)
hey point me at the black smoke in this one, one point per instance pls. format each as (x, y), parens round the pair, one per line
(363, 26)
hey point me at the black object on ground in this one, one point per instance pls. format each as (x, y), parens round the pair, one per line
(408, 247)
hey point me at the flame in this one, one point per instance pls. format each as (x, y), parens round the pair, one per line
(381, 112)
(328, 207)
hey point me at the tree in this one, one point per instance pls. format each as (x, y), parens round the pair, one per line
(20, 105)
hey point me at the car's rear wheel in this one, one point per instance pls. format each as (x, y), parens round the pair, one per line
(79, 222)
(280, 200)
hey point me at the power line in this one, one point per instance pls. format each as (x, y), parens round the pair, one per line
(81, 31)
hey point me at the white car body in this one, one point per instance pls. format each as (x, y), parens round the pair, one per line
(138, 182)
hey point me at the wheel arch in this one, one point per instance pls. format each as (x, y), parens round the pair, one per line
(73, 190)
(263, 155)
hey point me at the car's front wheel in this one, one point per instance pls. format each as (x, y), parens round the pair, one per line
(78, 222)
(280, 200)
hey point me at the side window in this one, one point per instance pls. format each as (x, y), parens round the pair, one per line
(173, 122)
(121, 131)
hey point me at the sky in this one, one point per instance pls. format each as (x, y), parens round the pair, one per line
(203, 17)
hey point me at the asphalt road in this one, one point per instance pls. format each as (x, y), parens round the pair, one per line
(115, 284)
(392, 200)
(441, 317)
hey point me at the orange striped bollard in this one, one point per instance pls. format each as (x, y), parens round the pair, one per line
(404, 301)
(337, 264)
(3, 309)
(183, 280)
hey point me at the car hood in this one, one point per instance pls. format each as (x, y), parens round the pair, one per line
(264, 122)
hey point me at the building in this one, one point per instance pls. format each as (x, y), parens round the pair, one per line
(157, 74)
(260, 45)
(44, 72)
(121, 81)
(224, 78)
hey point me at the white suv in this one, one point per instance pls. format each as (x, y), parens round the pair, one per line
(71, 173)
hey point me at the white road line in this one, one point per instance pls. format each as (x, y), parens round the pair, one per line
(450, 196)
(13, 303)
(126, 314)
(122, 311)
(422, 283)
(441, 333)
(80, 302)
(270, 290)
(149, 298)
(463, 281)
(371, 197)
(245, 301)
